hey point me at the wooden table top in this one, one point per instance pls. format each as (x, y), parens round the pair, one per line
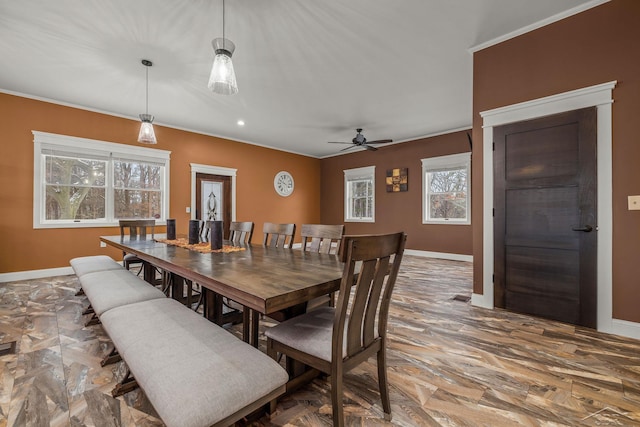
(262, 278)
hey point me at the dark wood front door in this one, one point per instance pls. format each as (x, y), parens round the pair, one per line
(545, 221)
(213, 199)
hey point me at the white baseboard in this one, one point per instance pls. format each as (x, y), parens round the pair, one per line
(623, 328)
(35, 274)
(440, 255)
(483, 301)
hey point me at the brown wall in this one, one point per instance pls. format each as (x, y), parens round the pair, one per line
(24, 248)
(400, 211)
(593, 47)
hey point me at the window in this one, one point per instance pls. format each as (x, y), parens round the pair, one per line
(83, 183)
(446, 189)
(359, 194)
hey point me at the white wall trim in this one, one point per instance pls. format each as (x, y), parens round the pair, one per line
(213, 170)
(35, 274)
(599, 96)
(439, 255)
(625, 328)
(542, 23)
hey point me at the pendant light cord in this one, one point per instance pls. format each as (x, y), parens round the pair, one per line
(223, 36)
(147, 105)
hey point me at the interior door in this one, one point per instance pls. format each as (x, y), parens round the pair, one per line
(213, 199)
(545, 221)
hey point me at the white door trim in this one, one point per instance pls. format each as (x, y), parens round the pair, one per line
(599, 96)
(213, 170)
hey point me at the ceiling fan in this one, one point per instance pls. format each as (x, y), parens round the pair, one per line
(361, 141)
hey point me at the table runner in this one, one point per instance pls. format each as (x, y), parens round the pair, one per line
(203, 247)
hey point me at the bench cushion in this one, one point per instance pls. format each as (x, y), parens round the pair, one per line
(193, 372)
(91, 264)
(113, 288)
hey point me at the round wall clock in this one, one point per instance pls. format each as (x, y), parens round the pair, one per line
(283, 183)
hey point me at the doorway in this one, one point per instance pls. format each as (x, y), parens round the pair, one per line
(223, 183)
(545, 218)
(213, 201)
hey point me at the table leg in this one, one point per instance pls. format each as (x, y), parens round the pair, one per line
(149, 272)
(250, 325)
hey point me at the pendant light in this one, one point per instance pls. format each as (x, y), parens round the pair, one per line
(223, 78)
(147, 135)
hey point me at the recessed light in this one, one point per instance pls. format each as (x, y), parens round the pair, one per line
(240, 122)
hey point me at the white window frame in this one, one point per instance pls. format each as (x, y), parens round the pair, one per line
(46, 142)
(364, 173)
(439, 163)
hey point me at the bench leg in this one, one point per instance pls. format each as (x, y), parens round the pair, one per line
(127, 384)
(112, 357)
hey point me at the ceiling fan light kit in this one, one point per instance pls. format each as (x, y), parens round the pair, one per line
(360, 141)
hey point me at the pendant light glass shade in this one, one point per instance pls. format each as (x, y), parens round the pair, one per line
(223, 78)
(147, 134)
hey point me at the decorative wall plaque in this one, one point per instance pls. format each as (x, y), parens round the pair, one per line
(397, 180)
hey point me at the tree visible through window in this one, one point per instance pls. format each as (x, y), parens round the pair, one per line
(137, 190)
(446, 188)
(75, 188)
(81, 182)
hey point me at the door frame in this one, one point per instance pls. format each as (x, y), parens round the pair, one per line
(599, 96)
(213, 170)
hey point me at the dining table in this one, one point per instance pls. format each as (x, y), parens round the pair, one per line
(262, 279)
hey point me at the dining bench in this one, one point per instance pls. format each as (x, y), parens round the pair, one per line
(107, 284)
(194, 372)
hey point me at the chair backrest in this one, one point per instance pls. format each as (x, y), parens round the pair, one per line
(378, 258)
(321, 238)
(241, 232)
(278, 235)
(137, 227)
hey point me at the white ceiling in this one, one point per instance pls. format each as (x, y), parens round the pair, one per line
(308, 71)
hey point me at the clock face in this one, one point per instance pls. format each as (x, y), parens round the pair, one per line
(283, 183)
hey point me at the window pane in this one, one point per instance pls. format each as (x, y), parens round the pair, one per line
(137, 204)
(74, 171)
(70, 202)
(448, 180)
(448, 205)
(136, 175)
(75, 188)
(360, 188)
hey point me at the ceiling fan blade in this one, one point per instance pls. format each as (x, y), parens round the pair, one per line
(369, 147)
(339, 142)
(348, 148)
(380, 141)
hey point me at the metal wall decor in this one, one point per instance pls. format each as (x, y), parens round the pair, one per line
(397, 180)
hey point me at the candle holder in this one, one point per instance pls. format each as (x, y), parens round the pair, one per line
(171, 229)
(216, 234)
(194, 231)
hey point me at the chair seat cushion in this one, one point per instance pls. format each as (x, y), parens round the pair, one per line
(91, 264)
(310, 332)
(113, 288)
(194, 372)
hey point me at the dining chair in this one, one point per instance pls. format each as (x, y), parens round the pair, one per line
(278, 235)
(241, 232)
(334, 340)
(137, 230)
(321, 238)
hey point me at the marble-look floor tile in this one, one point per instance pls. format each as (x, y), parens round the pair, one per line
(449, 364)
